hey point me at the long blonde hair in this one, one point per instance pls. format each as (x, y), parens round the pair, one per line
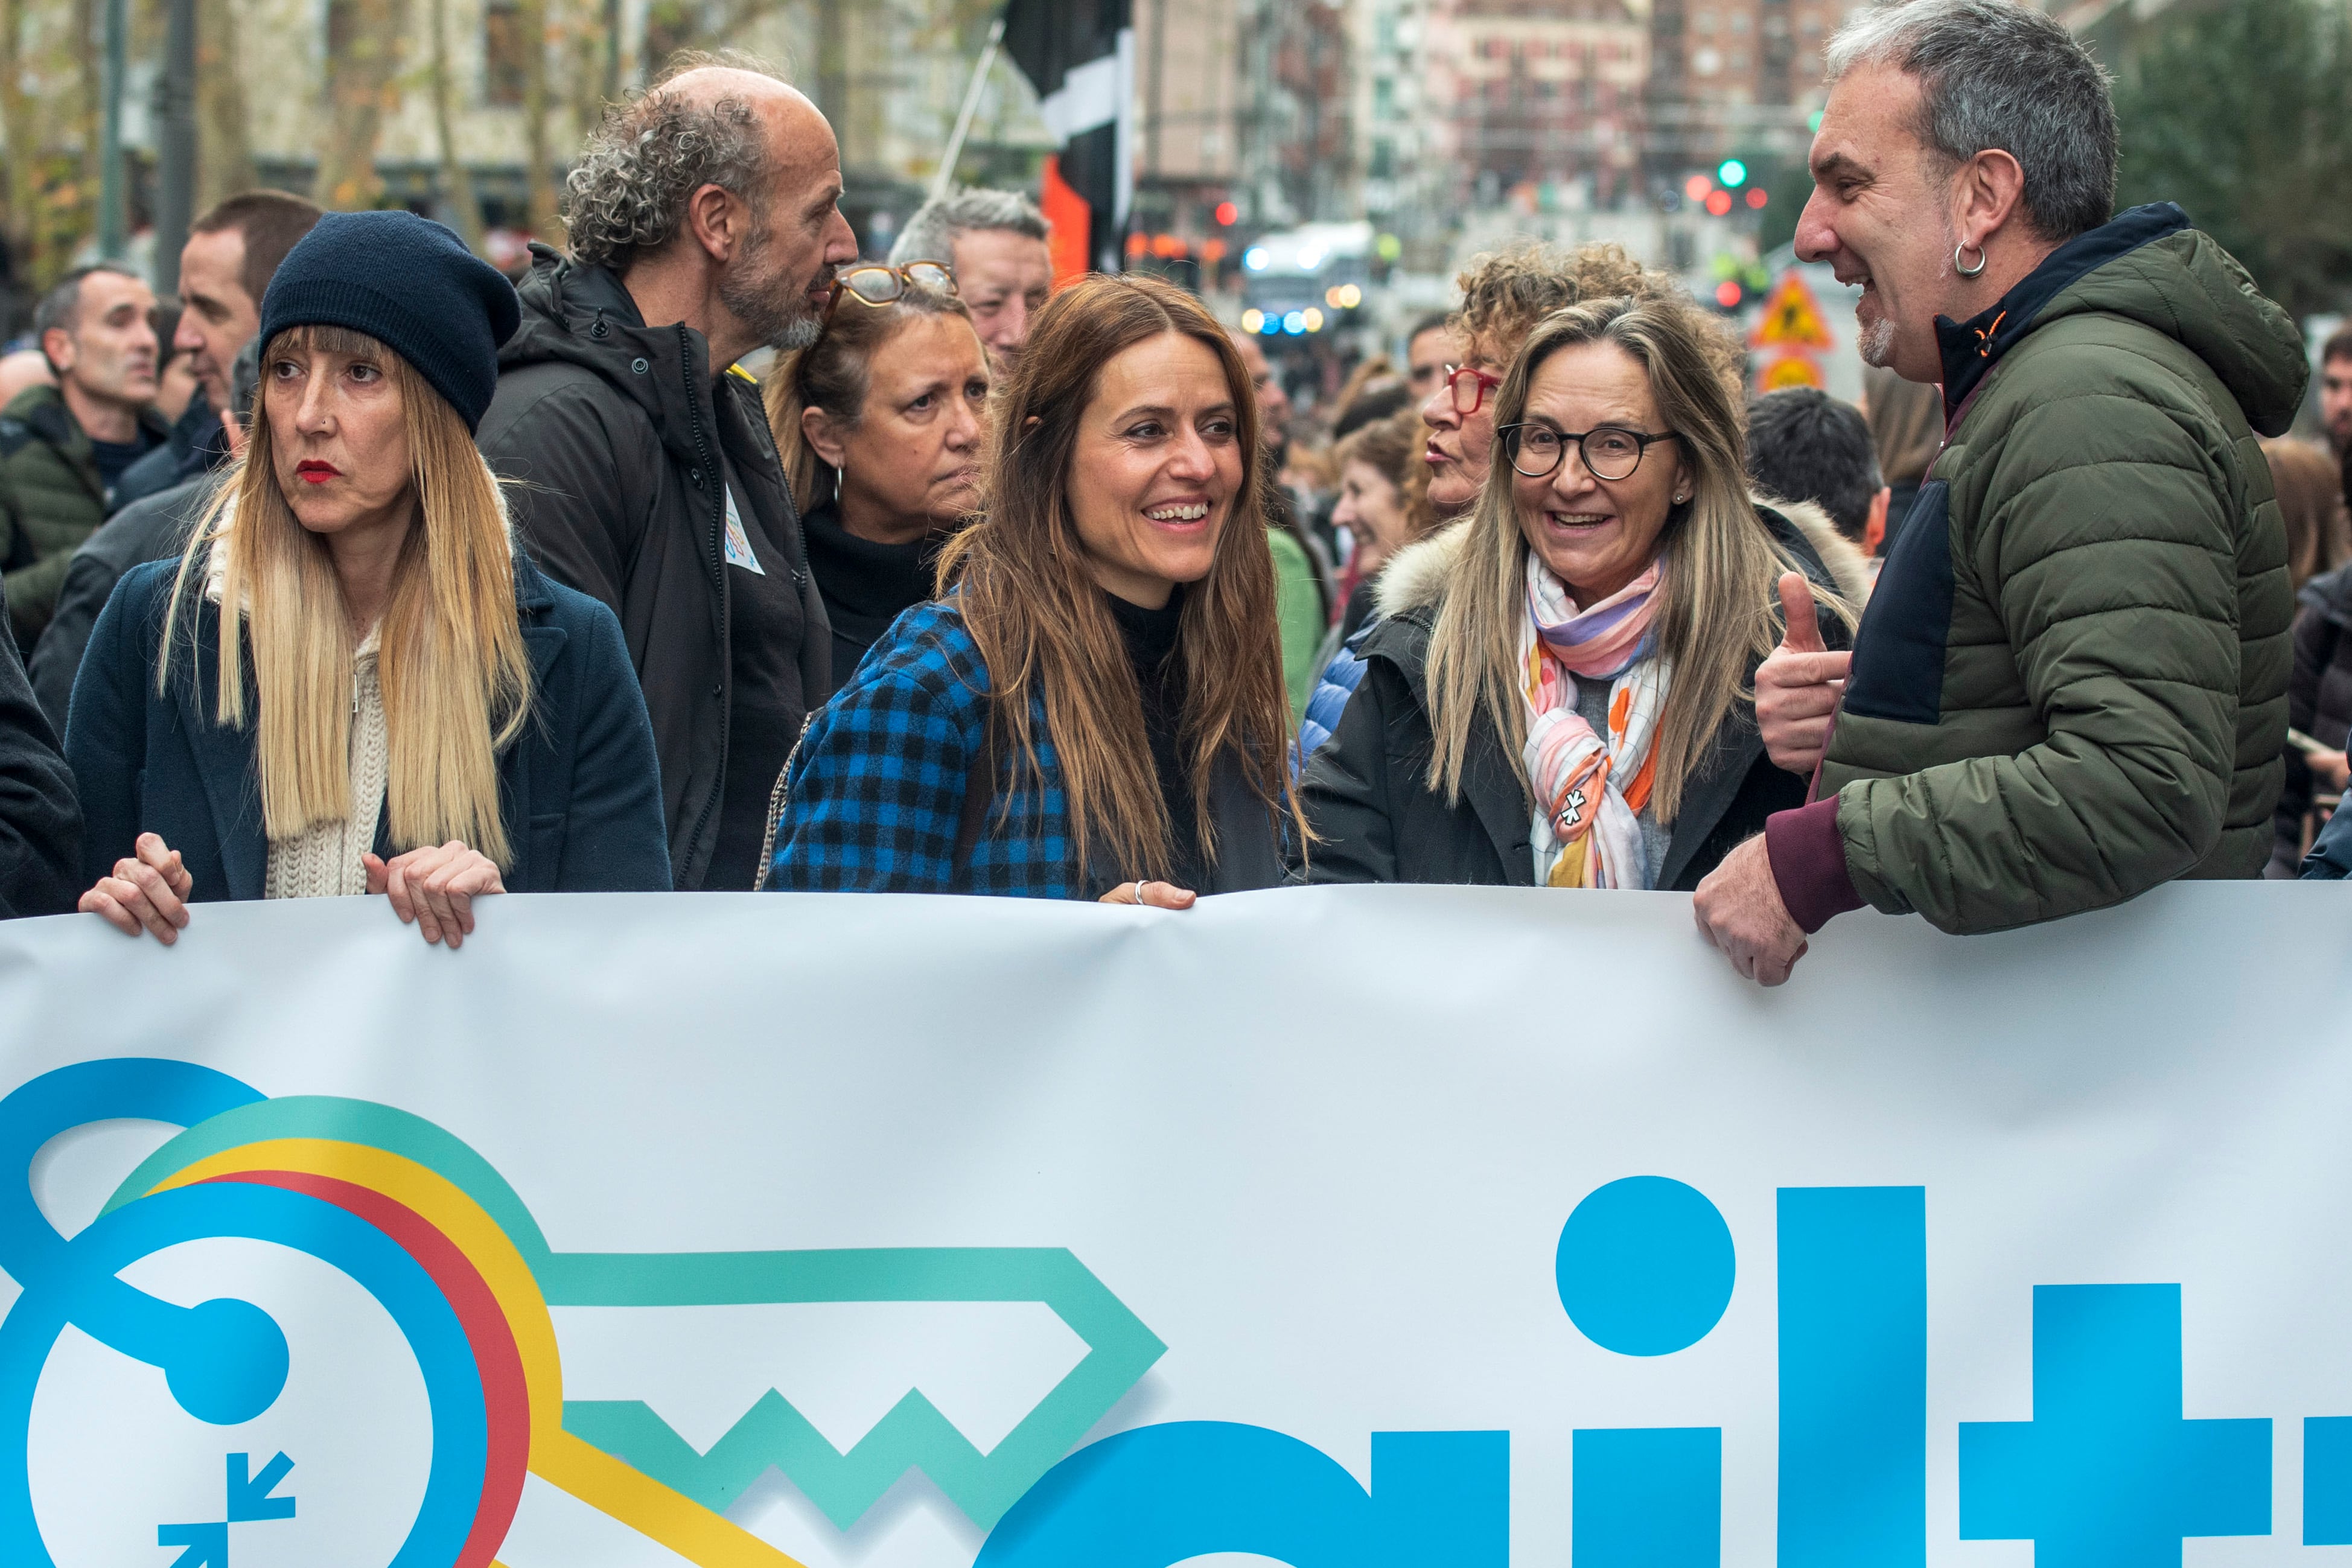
(1720, 601)
(1020, 578)
(454, 672)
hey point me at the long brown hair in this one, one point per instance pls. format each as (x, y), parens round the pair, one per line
(455, 671)
(2306, 480)
(1718, 598)
(1044, 627)
(834, 374)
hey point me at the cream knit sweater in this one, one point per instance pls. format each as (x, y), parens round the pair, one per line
(323, 861)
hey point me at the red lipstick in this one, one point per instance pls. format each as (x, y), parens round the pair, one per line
(316, 472)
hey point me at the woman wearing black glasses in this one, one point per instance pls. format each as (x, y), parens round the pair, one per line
(1561, 692)
(1504, 294)
(880, 422)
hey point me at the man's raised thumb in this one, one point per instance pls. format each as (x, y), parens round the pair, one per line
(1803, 616)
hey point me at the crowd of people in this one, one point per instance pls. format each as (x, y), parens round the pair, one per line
(439, 586)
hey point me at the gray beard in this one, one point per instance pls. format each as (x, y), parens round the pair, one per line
(1877, 344)
(756, 297)
(796, 334)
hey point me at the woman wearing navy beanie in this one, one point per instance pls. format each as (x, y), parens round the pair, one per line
(352, 682)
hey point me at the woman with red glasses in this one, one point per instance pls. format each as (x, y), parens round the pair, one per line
(1561, 692)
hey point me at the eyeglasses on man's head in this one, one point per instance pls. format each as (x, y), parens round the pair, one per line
(877, 285)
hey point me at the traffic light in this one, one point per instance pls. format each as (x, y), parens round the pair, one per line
(1732, 173)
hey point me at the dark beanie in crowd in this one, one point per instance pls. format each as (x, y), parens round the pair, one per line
(411, 285)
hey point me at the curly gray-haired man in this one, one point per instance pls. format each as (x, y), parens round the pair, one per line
(704, 223)
(995, 240)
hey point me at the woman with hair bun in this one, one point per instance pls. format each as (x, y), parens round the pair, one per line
(1094, 707)
(351, 681)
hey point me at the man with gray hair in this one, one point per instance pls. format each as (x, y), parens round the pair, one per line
(704, 223)
(2070, 683)
(995, 241)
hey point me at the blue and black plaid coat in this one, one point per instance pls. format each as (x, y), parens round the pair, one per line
(874, 800)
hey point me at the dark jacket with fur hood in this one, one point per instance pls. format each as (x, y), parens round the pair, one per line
(1376, 820)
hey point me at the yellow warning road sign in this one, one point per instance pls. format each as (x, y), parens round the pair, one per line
(1791, 319)
(1793, 371)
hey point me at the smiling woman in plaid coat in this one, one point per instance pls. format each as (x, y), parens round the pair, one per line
(1095, 707)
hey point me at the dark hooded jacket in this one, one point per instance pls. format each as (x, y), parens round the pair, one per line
(624, 446)
(2071, 683)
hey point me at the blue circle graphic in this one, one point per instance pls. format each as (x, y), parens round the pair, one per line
(231, 1363)
(225, 1361)
(1645, 1266)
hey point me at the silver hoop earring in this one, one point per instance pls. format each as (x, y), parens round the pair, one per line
(1969, 271)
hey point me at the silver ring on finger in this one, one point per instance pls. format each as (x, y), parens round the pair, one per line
(1139, 892)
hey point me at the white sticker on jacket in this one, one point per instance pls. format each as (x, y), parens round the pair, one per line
(738, 543)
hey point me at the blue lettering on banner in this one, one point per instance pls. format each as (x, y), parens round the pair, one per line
(2108, 1474)
(1647, 1497)
(1646, 1266)
(1853, 1377)
(2327, 1480)
(1157, 1495)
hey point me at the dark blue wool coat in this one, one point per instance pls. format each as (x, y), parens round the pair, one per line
(579, 788)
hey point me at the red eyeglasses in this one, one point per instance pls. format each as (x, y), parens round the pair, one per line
(1469, 387)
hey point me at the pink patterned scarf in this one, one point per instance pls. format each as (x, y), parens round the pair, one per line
(1598, 643)
(1591, 788)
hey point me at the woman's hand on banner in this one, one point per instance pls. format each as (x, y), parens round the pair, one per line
(1151, 895)
(1738, 908)
(148, 891)
(434, 888)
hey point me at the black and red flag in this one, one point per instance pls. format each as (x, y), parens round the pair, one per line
(1080, 55)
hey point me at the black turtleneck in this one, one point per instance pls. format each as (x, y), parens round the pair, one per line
(1150, 636)
(864, 585)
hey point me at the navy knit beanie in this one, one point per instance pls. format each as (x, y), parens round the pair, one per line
(411, 285)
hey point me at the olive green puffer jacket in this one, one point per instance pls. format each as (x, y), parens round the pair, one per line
(51, 499)
(2071, 682)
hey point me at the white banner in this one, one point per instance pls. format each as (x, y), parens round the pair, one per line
(1347, 1229)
